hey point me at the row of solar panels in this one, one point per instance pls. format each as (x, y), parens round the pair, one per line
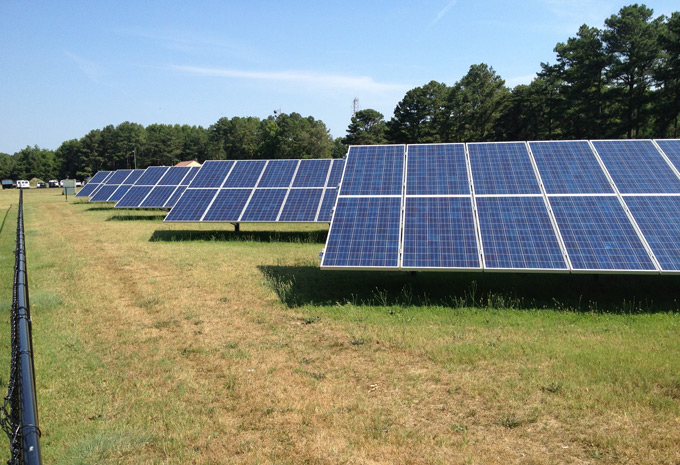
(580, 206)
(226, 190)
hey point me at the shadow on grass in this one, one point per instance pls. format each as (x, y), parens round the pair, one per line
(99, 208)
(309, 285)
(158, 217)
(301, 237)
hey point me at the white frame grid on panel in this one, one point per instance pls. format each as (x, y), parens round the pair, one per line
(97, 185)
(118, 186)
(144, 185)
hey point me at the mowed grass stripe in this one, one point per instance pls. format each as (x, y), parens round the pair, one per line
(185, 343)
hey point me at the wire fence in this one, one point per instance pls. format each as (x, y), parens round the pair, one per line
(19, 415)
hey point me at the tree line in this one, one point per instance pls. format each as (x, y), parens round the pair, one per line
(621, 81)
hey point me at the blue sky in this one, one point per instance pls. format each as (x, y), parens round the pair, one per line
(72, 66)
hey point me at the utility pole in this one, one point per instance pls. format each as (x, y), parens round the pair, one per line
(355, 106)
(134, 154)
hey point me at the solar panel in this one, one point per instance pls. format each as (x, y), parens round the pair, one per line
(212, 173)
(134, 197)
(374, 170)
(671, 147)
(301, 205)
(94, 184)
(152, 175)
(437, 169)
(228, 205)
(192, 205)
(264, 205)
(279, 173)
(364, 233)
(659, 219)
(312, 173)
(245, 173)
(502, 168)
(270, 186)
(366, 226)
(598, 234)
(158, 196)
(439, 232)
(637, 167)
(569, 167)
(517, 234)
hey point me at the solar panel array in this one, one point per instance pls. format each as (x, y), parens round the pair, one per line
(561, 206)
(260, 191)
(158, 187)
(116, 186)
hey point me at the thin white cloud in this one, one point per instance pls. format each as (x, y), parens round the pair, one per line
(318, 80)
(92, 70)
(517, 80)
(443, 12)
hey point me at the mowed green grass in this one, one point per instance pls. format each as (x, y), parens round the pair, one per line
(159, 343)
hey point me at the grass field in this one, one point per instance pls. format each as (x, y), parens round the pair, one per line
(176, 344)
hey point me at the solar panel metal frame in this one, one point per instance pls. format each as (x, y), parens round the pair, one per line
(167, 171)
(132, 173)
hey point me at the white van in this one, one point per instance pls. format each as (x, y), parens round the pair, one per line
(23, 184)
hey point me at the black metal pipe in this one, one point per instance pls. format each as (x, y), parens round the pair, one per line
(29, 429)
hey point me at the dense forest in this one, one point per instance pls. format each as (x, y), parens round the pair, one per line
(621, 81)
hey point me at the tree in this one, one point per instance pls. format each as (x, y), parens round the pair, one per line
(367, 127)
(420, 116)
(475, 105)
(632, 40)
(580, 68)
(667, 76)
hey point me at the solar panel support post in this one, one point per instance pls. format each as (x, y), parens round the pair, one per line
(237, 227)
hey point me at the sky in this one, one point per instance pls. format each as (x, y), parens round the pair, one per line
(69, 67)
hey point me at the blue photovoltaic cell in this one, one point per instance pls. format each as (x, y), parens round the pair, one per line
(502, 168)
(264, 205)
(364, 233)
(439, 232)
(134, 177)
(278, 173)
(327, 204)
(228, 205)
(301, 205)
(374, 170)
(212, 173)
(151, 175)
(134, 196)
(637, 167)
(173, 176)
(99, 177)
(312, 173)
(193, 171)
(104, 192)
(192, 205)
(94, 184)
(659, 220)
(336, 173)
(119, 193)
(671, 147)
(598, 234)
(437, 169)
(517, 233)
(158, 197)
(569, 168)
(118, 177)
(172, 201)
(245, 173)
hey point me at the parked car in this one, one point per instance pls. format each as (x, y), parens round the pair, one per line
(8, 184)
(23, 184)
(79, 184)
(41, 185)
(53, 183)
